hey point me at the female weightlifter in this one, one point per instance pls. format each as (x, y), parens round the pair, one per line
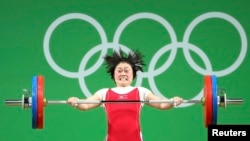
(124, 119)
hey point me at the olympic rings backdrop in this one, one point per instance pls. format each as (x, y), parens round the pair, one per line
(65, 41)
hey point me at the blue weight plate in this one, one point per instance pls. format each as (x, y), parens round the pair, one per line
(215, 100)
(34, 102)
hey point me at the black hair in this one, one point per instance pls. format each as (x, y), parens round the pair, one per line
(135, 59)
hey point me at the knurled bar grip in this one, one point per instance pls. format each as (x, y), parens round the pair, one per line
(119, 101)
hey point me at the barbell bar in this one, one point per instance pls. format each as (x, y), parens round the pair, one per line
(213, 97)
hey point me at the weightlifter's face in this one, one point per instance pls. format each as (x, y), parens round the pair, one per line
(123, 74)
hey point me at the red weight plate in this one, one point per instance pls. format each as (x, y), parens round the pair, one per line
(208, 100)
(40, 102)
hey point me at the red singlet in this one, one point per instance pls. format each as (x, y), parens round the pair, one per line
(123, 118)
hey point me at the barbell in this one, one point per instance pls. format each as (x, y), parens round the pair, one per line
(213, 97)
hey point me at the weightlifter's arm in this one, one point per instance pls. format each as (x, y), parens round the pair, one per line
(85, 106)
(163, 106)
